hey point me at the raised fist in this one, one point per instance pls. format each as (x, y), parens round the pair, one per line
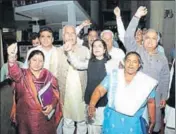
(117, 11)
(68, 46)
(86, 23)
(141, 11)
(12, 49)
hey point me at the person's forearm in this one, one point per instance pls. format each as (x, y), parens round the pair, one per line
(120, 28)
(78, 29)
(95, 98)
(76, 63)
(14, 71)
(152, 110)
(97, 94)
(129, 39)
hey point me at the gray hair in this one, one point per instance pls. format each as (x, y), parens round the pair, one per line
(107, 31)
(63, 30)
(153, 30)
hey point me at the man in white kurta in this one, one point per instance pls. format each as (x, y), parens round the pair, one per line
(74, 106)
(72, 83)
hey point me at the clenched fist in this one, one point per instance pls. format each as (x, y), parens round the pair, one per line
(141, 11)
(86, 23)
(117, 11)
(68, 46)
(12, 49)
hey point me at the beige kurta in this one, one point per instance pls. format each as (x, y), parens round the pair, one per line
(74, 106)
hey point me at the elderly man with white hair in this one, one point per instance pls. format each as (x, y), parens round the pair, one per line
(154, 64)
(116, 53)
(72, 83)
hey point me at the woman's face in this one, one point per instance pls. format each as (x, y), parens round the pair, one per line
(132, 64)
(36, 62)
(98, 49)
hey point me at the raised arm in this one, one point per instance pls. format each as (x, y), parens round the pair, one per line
(15, 71)
(129, 40)
(120, 26)
(82, 25)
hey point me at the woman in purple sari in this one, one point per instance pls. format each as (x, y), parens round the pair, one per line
(28, 112)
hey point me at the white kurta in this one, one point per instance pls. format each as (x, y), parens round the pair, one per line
(74, 105)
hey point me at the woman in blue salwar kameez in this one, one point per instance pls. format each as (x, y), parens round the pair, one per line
(129, 92)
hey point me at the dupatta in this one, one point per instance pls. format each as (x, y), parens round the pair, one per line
(127, 99)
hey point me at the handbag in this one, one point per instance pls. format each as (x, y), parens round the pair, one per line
(144, 125)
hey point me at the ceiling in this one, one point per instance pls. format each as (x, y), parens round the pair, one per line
(53, 12)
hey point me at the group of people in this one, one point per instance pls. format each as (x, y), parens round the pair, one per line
(93, 87)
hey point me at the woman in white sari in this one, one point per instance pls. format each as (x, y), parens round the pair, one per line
(129, 91)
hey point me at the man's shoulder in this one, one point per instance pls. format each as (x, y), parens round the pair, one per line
(83, 48)
(163, 58)
(118, 50)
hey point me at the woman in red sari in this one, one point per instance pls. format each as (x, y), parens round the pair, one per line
(29, 115)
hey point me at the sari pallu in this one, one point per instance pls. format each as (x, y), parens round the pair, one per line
(52, 94)
(126, 103)
(27, 107)
(127, 99)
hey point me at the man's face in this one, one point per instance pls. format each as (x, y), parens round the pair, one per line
(150, 41)
(36, 42)
(107, 37)
(69, 35)
(139, 35)
(92, 36)
(46, 39)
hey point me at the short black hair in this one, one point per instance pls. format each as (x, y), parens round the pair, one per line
(34, 36)
(45, 29)
(92, 29)
(36, 52)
